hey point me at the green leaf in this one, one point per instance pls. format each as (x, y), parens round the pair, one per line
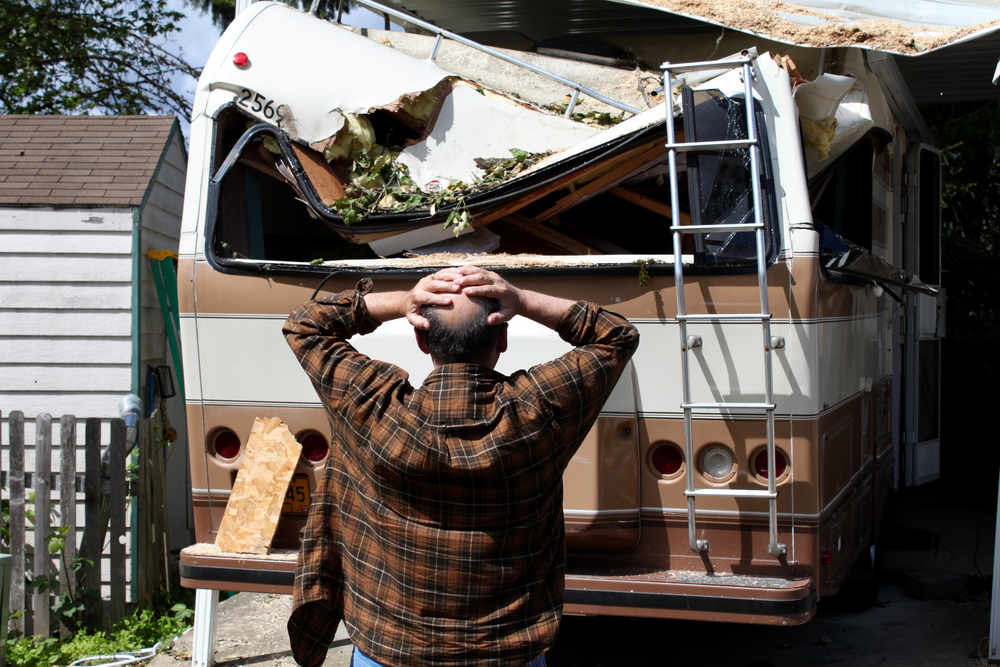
(520, 155)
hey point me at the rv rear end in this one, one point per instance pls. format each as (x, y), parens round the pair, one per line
(674, 505)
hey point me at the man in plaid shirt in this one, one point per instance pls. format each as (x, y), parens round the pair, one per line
(436, 533)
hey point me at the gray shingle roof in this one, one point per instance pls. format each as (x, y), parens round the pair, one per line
(79, 160)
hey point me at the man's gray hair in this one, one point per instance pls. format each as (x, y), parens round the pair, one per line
(467, 342)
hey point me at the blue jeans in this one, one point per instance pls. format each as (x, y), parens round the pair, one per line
(360, 659)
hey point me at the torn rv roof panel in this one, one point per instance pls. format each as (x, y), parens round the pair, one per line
(296, 75)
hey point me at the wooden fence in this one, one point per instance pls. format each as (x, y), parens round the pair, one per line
(106, 490)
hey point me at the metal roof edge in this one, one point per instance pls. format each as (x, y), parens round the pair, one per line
(898, 96)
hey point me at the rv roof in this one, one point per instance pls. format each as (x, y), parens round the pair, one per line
(908, 27)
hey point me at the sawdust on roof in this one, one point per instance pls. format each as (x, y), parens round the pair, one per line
(763, 17)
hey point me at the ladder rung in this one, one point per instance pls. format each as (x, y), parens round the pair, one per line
(729, 406)
(708, 229)
(724, 317)
(732, 493)
(690, 146)
(705, 65)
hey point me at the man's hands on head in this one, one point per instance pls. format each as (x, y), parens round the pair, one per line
(476, 281)
(439, 287)
(432, 290)
(542, 308)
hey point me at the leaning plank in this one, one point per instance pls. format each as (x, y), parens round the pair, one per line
(161, 533)
(543, 232)
(144, 529)
(254, 507)
(646, 158)
(89, 577)
(67, 510)
(116, 470)
(649, 204)
(556, 185)
(16, 425)
(43, 506)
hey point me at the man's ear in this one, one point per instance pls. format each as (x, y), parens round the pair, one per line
(421, 343)
(502, 339)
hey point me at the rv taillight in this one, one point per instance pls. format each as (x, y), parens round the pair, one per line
(824, 557)
(226, 444)
(667, 459)
(315, 447)
(760, 464)
(241, 60)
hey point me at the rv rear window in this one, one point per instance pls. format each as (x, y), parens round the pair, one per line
(620, 207)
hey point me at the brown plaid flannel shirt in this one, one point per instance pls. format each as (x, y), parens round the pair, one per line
(436, 531)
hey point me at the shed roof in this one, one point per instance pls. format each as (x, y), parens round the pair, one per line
(92, 161)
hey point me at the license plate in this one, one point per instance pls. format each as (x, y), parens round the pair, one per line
(297, 496)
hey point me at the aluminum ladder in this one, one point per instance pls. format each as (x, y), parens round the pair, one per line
(745, 62)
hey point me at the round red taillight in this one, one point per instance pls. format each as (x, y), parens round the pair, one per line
(241, 60)
(227, 444)
(667, 459)
(760, 464)
(315, 447)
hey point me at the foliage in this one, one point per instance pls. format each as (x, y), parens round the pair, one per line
(644, 265)
(601, 118)
(223, 11)
(79, 56)
(141, 630)
(968, 136)
(380, 183)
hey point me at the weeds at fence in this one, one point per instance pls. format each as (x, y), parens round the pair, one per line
(141, 630)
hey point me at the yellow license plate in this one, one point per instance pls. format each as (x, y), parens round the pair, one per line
(297, 497)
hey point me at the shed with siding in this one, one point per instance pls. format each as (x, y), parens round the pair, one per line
(83, 199)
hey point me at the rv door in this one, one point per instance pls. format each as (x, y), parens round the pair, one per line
(924, 317)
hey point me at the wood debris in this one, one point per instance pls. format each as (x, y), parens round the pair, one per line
(254, 507)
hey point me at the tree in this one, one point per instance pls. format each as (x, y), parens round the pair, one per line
(79, 56)
(223, 11)
(968, 136)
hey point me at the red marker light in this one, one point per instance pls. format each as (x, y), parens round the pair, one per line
(667, 460)
(760, 464)
(315, 447)
(241, 60)
(227, 445)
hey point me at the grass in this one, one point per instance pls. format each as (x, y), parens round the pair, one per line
(139, 631)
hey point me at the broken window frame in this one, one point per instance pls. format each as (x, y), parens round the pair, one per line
(485, 200)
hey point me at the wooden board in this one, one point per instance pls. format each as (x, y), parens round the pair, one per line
(254, 507)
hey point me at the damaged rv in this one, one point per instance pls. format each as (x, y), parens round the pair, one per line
(769, 220)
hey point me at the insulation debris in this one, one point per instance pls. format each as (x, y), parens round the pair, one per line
(818, 135)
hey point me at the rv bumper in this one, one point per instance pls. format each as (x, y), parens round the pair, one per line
(693, 596)
(205, 566)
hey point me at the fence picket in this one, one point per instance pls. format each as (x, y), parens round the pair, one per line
(116, 470)
(67, 511)
(17, 547)
(90, 549)
(106, 489)
(42, 481)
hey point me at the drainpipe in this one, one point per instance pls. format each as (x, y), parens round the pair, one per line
(136, 369)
